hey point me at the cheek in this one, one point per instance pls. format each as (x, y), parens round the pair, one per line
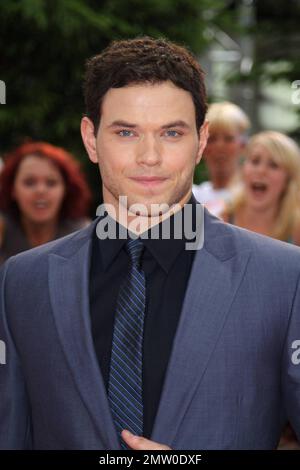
(110, 163)
(110, 170)
(21, 193)
(61, 193)
(279, 183)
(58, 194)
(234, 149)
(180, 166)
(23, 198)
(182, 157)
(246, 171)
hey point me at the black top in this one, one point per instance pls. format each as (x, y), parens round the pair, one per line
(167, 266)
(14, 238)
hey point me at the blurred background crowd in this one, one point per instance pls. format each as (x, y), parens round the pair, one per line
(250, 173)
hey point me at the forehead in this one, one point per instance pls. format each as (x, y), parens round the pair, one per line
(259, 149)
(37, 165)
(223, 128)
(145, 103)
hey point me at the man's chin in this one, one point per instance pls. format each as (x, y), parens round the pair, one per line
(149, 210)
(146, 207)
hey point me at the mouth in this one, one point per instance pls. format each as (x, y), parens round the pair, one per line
(41, 204)
(259, 188)
(148, 180)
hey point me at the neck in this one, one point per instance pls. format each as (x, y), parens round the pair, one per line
(140, 223)
(39, 233)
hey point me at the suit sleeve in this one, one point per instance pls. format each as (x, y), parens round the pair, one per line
(291, 366)
(15, 428)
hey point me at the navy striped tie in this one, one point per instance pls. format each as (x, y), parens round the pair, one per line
(125, 376)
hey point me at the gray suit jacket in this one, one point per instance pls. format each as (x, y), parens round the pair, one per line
(232, 379)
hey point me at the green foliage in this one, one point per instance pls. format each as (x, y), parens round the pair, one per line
(276, 38)
(44, 45)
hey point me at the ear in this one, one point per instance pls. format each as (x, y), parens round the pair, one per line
(89, 139)
(203, 136)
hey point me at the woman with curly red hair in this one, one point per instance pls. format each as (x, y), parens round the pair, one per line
(43, 196)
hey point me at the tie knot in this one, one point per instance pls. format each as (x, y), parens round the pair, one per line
(134, 248)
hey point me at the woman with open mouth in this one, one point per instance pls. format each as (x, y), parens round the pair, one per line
(268, 200)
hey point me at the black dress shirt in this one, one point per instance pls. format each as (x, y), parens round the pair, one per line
(167, 266)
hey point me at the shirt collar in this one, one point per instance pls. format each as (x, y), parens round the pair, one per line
(164, 251)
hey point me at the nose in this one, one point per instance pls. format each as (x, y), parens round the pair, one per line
(219, 143)
(261, 168)
(41, 187)
(148, 151)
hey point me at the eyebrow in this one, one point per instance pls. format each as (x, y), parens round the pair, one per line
(120, 123)
(179, 123)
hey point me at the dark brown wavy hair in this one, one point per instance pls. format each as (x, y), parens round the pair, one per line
(142, 60)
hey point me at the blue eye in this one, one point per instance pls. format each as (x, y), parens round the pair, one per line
(125, 133)
(173, 133)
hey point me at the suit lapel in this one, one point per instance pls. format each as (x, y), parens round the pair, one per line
(215, 278)
(212, 286)
(69, 293)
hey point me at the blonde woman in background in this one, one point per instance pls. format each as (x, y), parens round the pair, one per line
(228, 126)
(268, 199)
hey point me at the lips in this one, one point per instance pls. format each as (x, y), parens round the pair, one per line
(148, 180)
(258, 190)
(41, 204)
(259, 187)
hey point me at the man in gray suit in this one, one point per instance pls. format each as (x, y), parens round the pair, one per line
(183, 348)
